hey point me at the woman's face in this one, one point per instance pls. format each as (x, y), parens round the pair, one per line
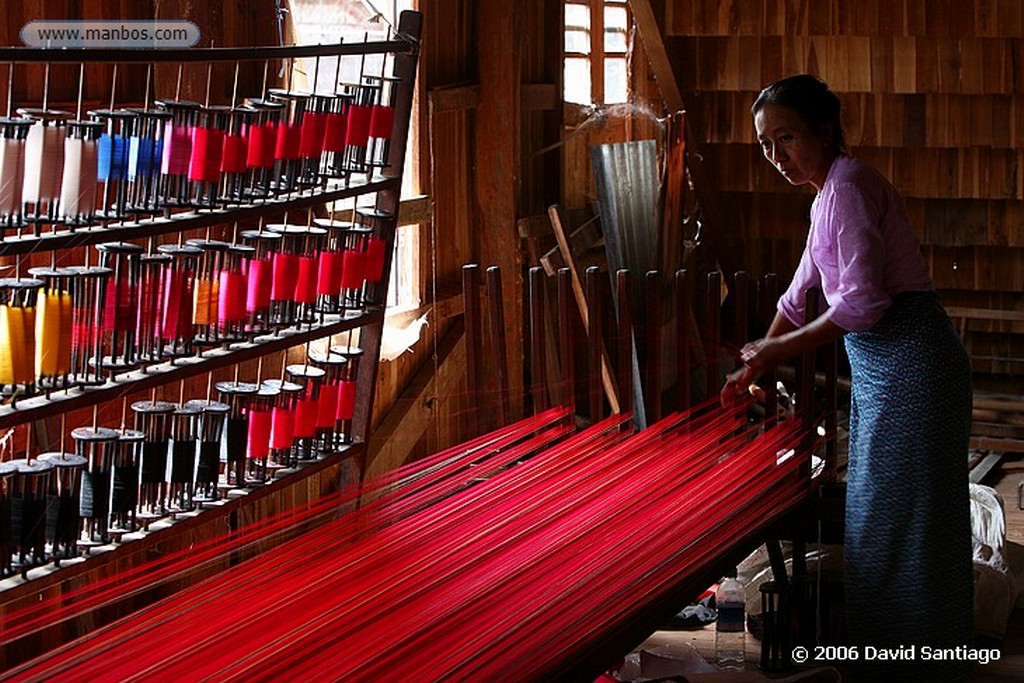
(800, 154)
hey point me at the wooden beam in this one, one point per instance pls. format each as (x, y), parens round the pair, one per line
(454, 98)
(409, 418)
(657, 55)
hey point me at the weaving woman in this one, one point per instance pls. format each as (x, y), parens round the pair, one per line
(908, 577)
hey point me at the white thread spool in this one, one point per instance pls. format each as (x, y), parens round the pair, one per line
(44, 161)
(78, 183)
(12, 169)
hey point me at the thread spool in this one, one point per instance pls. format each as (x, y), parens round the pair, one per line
(112, 160)
(354, 264)
(307, 407)
(382, 120)
(347, 389)
(88, 285)
(261, 278)
(333, 367)
(44, 163)
(262, 136)
(153, 419)
(232, 293)
(78, 187)
(13, 135)
(98, 448)
(179, 289)
(236, 396)
(259, 414)
(211, 436)
(8, 471)
(29, 487)
(205, 327)
(181, 475)
(235, 154)
(124, 497)
(63, 503)
(287, 157)
(54, 325)
(145, 158)
(149, 344)
(283, 416)
(357, 132)
(175, 189)
(121, 304)
(336, 132)
(313, 137)
(18, 297)
(331, 264)
(381, 225)
(207, 155)
(296, 267)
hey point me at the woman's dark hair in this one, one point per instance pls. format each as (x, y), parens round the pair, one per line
(809, 97)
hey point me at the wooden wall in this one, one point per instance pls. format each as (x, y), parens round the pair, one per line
(933, 96)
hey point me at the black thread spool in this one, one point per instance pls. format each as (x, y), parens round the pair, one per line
(29, 487)
(333, 366)
(112, 160)
(121, 302)
(331, 264)
(381, 225)
(232, 293)
(312, 139)
(17, 311)
(336, 133)
(211, 436)
(78, 186)
(382, 120)
(211, 124)
(260, 414)
(124, 498)
(353, 271)
(44, 164)
(347, 390)
(234, 154)
(153, 418)
(175, 189)
(13, 134)
(294, 287)
(145, 154)
(149, 346)
(88, 298)
(287, 156)
(54, 307)
(176, 331)
(261, 279)
(98, 446)
(307, 405)
(8, 471)
(185, 427)
(63, 504)
(205, 327)
(262, 135)
(357, 133)
(236, 396)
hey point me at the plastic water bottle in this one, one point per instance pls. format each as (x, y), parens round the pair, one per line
(730, 634)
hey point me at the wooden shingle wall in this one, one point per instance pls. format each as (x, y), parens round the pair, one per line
(933, 96)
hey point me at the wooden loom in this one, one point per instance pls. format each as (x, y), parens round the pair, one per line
(505, 558)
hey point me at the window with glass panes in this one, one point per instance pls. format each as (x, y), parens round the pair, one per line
(596, 37)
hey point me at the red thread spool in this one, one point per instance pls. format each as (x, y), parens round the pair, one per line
(180, 293)
(381, 225)
(285, 415)
(261, 131)
(294, 297)
(289, 137)
(207, 154)
(121, 303)
(87, 284)
(382, 120)
(353, 271)
(332, 263)
(333, 366)
(259, 412)
(347, 388)
(152, 300)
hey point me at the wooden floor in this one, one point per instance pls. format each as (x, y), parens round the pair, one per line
(1009, 668)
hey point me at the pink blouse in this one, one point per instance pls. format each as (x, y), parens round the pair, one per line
(861, 250)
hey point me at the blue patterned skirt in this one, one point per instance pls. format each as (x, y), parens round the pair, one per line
(908, 569)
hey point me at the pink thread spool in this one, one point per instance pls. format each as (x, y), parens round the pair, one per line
(177, 151)
(260, 270)
(232, 292)
(260, 415)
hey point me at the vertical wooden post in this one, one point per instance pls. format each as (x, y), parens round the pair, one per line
(595, 344)
(566, 391)
(652, 334)
(538, 377)
(496, 331)
(474, 349)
